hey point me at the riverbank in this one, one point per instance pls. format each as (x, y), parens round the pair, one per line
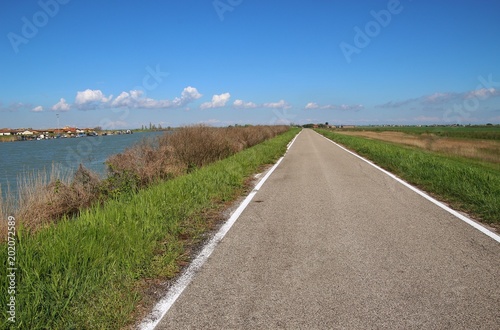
(18, 135)
(92, 271)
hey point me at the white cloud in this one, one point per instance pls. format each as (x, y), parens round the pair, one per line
(91, 99)
(61, 106)
(135, 99)
(123, 100)
(277, 105)
(482, 93)
(312, 105)
(240, 104)
(392, 104)
(189, 94)
(343, 107)
(437, 98)
(37, 109)
(218, 101)
(347, 107)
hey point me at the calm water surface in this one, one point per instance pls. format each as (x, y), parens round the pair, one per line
(24, 157)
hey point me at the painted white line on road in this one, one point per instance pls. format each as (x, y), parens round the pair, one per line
(423, 194)
(163, 306)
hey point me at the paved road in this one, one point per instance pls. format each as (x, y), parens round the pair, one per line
(330, 242)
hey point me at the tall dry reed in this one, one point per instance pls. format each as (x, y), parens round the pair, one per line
(44, 198)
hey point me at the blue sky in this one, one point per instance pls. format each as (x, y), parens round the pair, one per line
(123, 64)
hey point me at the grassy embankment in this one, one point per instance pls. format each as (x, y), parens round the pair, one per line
(91, 271)
(466, 184)
(45, 198)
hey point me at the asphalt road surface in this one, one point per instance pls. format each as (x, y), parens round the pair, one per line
(330, 242)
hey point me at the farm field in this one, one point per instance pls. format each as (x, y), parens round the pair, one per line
(486, 132)
(479, 143)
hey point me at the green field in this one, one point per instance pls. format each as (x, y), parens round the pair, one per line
(487, 132)
(466, 184)
(87, 272)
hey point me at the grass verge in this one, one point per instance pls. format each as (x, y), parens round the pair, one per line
(466, 185)
(86, 272)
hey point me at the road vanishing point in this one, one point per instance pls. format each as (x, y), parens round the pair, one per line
(331, 242)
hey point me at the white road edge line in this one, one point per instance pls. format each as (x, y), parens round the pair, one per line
(163, 306)
(423, 194)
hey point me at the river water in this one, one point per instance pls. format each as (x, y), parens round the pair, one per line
(22, 158)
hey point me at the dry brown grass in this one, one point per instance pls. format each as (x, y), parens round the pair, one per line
(144, 163)
(45, 198)
(196, 146)
(484, 150)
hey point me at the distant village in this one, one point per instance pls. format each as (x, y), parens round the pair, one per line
(24, 134)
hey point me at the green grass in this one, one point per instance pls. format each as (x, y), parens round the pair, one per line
(467, 185)
(490, 132)
(84, 273)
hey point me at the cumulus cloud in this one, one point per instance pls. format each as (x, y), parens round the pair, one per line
(282, 104)
(37, 109)
(218, 101)
(188, 94)
(131, 99)
(135, 99)
(61, 106)
(240, 104)
(343, 107)
(91, 99)
(312, 105)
